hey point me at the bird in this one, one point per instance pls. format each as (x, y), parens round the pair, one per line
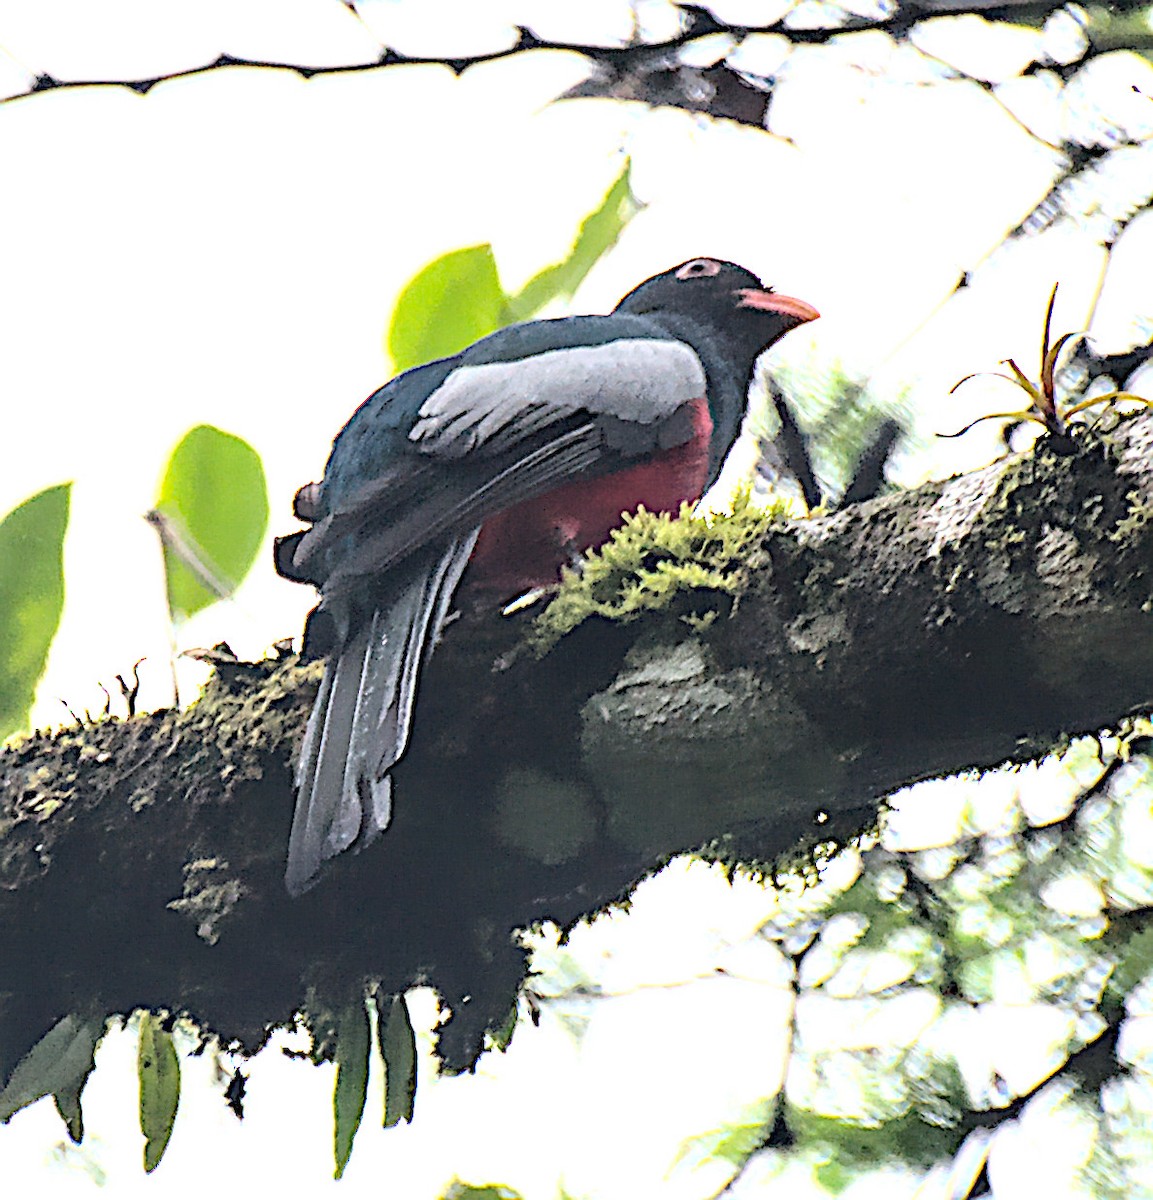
(484, 474)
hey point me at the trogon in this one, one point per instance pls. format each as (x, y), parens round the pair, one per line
(487, 472)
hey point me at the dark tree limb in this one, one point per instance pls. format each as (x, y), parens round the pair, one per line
(959, 625)
(627, 67)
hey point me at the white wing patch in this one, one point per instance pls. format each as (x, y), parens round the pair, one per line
(493, 406)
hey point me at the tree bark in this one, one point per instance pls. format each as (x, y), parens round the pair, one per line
(963, 624)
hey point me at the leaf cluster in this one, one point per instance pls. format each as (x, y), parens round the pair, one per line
(211, 515)
(458, 298)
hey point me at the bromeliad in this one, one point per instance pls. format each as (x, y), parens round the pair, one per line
(1045, 408)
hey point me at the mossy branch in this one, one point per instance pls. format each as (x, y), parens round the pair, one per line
(824, 663)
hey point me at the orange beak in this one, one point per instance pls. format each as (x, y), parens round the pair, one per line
(787, 306)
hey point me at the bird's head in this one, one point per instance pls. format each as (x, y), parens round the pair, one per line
(723, 295)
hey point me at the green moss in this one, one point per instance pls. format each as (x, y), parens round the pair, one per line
(1136, 518)
(654, 560)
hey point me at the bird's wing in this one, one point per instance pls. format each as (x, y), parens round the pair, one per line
(514, 416)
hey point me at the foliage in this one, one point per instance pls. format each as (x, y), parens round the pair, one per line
(458, 298)
(397, 1043)
(58, 1065)
(1020, 922)
(451, 302)
(31, 598)
(598, 233)
(211, 514)
(158, 1067)
(960, 975)
(735, 1142)
(352, 1042)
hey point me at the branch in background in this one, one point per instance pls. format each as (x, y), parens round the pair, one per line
(702, 69)
(633, 70)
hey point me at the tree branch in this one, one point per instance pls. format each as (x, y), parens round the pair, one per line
(639, 56)
(986, 618)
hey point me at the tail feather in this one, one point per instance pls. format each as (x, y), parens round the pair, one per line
(361, 719)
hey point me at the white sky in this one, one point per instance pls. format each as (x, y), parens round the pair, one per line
(227, 249)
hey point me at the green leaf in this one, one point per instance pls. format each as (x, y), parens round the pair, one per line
(834, 1177)
(490, 1191)
(31, 598)
(67, 1101)
(351, 1080)
(448, 305)
(398, 1049)
(158, 1068)
(458, 297)
(598, 233)
(1133, 957)
(211, 515)
(59, 1063)
(67, 1096)
(734, 1143)
(855, 1144)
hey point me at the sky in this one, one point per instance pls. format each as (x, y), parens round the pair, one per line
(227, 249)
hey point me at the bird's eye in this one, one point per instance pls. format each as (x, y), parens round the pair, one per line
(699, 268)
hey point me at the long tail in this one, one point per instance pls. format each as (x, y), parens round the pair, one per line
(360, 722)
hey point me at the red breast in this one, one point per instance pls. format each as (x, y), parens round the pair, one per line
(525, 546)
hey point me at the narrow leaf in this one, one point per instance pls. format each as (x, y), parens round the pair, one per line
(398, 1049)
(60, 1062)
(1010, 416)
(599, 232)
(448, 305)
(1047, 383)
(158, 1068)
(67, 1096)
(211, 515)
(1025, 383)
(1051, 362)
(31, 598)
(1106, 398)
(67, 1101)
(352, 1038)
(1015, 380)
(978, 375)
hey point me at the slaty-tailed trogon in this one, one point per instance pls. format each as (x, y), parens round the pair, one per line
(487, 471)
